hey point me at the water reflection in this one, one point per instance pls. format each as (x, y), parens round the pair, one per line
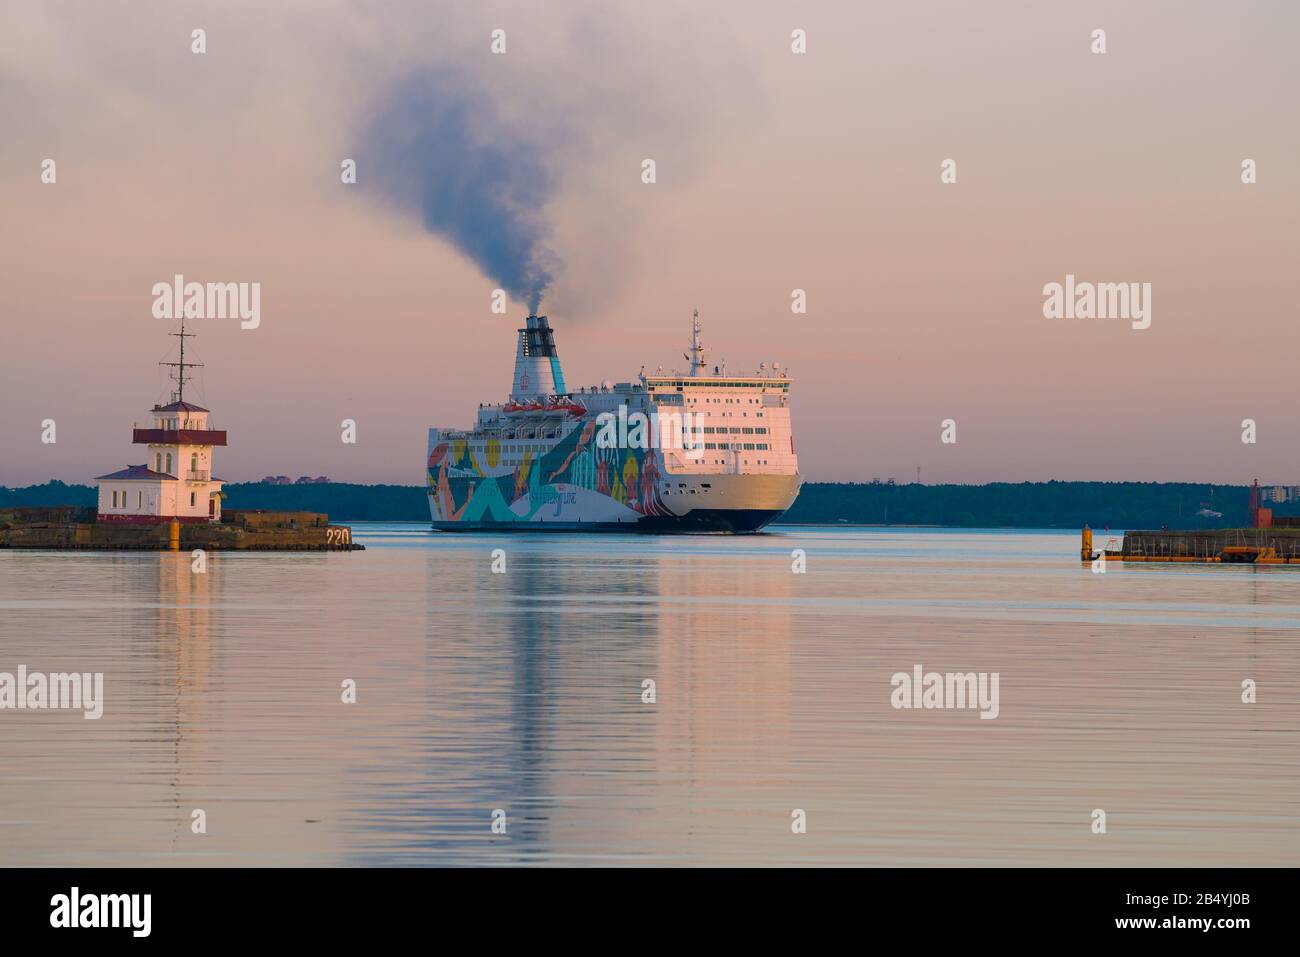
(183, 627)
(523, 691)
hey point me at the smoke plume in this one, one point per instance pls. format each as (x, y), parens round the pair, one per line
(445, 152)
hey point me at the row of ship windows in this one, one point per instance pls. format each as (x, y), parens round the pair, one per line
(676, 400)
(477, 448)
(714, 446)
(521, 437)
(696, 384)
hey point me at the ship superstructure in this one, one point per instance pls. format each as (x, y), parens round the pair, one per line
(699, 450)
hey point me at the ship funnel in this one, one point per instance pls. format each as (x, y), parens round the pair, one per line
(537, 365)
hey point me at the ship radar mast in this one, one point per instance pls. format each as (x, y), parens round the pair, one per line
(179, 376)
(698, 349)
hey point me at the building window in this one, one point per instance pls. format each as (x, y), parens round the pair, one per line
(194, 461)
(169, 463)
(139, 500)
(157, 466)
(192, 502)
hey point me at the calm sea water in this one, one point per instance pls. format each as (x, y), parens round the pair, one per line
(522, 692)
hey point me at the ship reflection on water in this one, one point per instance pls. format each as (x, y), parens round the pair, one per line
(537, 697)
(523, 692)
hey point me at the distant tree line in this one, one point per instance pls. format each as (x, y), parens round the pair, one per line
(1149, 505)
(1116, 505)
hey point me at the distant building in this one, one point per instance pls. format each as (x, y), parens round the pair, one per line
(277, 480)
(308, 480)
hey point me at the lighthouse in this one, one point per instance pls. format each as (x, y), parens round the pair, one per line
(175, 482)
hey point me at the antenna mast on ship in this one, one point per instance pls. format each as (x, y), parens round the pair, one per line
(179, 376)
(696, 355)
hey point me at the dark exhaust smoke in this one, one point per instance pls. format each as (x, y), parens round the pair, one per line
(444, 152)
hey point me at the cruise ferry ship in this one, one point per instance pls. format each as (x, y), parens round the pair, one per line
(695, 451)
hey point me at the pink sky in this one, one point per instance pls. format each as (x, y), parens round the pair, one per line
(775, 172)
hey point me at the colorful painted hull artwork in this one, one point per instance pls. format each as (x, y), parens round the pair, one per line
(574, 481)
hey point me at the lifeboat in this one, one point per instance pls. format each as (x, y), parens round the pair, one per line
(555, 406)
(512, 407)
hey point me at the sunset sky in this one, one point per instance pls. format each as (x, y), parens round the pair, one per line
(775, 171)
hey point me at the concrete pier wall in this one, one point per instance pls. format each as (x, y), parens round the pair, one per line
(242, 531)
(1224, 545)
